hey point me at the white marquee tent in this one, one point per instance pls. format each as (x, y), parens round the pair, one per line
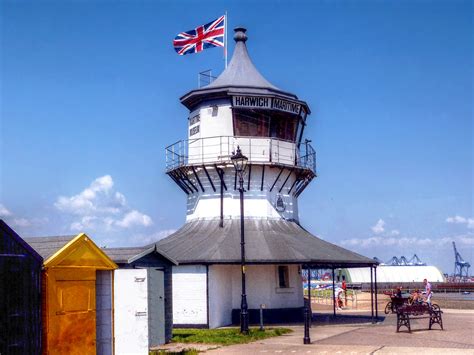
(388, 273)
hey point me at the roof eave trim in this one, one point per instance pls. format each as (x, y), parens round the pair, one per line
(187, 99)
(50, 261)
(151, 250)
(21, 241)
(228, 88)
(335, 264)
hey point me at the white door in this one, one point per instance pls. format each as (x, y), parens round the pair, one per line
(190, 295)
(131, 311)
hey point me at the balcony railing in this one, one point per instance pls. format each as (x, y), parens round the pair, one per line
(215, 150)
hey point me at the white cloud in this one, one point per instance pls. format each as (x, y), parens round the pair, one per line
(4, 212)
(394, 232)
(21, 222)
(154, 237)
(469, 222)
(467, 240)
(456, 219)
(139, 239)
(404, 241)
(379, 227)
(97, 198)
(134, 218)
(98, 206)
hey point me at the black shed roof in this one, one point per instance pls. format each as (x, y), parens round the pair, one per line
(266, 242)
(47, 246)
(21, 244)
(129, 255)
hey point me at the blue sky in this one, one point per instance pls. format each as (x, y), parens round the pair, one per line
(90, 98)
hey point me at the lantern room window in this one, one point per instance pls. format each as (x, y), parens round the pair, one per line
(283, 127)
(263, 123)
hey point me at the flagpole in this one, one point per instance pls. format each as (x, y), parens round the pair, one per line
(225, 43)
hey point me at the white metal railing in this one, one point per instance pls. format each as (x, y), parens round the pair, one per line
(259, 150)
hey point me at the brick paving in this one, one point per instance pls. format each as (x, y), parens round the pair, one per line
(381, 338)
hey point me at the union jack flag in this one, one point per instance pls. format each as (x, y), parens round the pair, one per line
(205, 36)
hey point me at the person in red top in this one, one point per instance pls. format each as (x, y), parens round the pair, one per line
(344, 287)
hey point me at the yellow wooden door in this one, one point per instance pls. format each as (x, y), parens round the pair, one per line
(72, 326)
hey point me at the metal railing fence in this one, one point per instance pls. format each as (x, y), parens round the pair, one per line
(259, 150)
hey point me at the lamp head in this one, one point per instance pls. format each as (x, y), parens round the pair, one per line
(239, 160)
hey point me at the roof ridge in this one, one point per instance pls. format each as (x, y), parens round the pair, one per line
(241, 71)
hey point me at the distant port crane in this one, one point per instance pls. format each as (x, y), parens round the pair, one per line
(402, 261)
(461, 267)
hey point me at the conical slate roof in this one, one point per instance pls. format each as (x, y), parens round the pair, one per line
(241, 77)
(241, 71)
(266, 242)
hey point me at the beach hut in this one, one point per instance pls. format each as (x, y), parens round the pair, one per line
(142, 299)
(20, 294)
(77, 295)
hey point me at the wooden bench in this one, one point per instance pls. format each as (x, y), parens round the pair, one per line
(418, 311)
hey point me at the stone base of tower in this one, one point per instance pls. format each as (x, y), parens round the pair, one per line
(209, 296)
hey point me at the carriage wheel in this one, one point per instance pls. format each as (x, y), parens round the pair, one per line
(388, 308)
(435, 307)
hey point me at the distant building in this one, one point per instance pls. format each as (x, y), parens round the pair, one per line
(393, 274)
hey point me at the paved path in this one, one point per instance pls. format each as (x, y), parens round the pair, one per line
(457, 338)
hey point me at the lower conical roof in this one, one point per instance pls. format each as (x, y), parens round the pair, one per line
(266, 241)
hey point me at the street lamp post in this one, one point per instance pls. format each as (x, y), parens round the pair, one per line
(240, 164)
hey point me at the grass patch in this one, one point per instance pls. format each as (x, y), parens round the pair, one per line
(226, 336)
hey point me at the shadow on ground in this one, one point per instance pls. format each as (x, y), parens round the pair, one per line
(328, 319)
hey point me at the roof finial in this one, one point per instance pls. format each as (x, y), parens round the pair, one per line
(240, 34)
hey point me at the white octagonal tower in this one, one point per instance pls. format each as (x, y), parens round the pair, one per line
(241, 108)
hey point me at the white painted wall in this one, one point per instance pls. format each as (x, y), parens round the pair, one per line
(262, 287)
(220, 125)
(131, 311)
(189, 294)
(257, 204)
(220, 294)
(215, 142)
(212, 126)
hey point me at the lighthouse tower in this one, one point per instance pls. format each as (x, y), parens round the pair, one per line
(241, 109)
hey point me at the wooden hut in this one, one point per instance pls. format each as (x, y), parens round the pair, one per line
(20, 294)
(142, 299)
(77, 299)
